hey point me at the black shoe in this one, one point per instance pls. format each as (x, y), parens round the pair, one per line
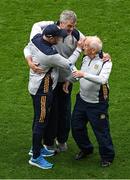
(82, 155)
(105, 163)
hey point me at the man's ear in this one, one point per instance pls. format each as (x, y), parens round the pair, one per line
(62, 25)
(94, 51)
(51, 38)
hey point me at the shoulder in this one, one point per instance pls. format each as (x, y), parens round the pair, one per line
(43, 46)
(43, 23)
(76, 34)
(106, 64)
(50, 51)
(85, 58)
(108, 61)
(47, 50)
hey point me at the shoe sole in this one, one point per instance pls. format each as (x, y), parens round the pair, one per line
(34, 164)
(107, 165)
(31, 154)
(63, 150)
(48, 155)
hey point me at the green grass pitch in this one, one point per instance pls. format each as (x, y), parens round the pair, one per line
(110, 20)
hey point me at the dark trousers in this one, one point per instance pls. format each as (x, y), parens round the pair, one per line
(97, 115)
(59, 123)
(42, 104)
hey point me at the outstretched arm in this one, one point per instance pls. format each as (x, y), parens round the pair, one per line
(102, 78)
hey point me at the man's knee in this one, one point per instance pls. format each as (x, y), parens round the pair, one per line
(38, 128)
(76, 126)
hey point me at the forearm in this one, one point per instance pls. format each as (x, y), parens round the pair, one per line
(27, 52)
(38, 27)
(27, 55)
(71, 79)
(96, 78)
(60, 61)
(29, 61)
(103, 76)
(74, 57)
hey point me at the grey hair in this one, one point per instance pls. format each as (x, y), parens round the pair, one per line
(68, 15)
(95, 42)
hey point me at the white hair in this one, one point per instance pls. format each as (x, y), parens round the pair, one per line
(68, 15)
(94, 42)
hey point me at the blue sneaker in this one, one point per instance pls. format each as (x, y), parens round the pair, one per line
(44, 152)
(40, 162)
(30, 152)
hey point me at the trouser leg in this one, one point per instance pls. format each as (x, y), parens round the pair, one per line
(79, 129)
(64, 114)
(99, 120)
(51, 129)
(42, 104)
(38, 127)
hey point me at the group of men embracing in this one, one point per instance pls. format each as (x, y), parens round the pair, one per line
(51, 54)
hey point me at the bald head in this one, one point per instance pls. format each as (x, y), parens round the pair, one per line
(92, 45)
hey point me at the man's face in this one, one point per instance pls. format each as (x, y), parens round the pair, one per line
(55, 40)
(87, 49)
(68, 25)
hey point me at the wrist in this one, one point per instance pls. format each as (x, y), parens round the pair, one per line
(85, 75)
(79, 49)
(29, 60)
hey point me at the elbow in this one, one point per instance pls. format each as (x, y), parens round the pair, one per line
(103, 80)
(27, 54)
(24, 52)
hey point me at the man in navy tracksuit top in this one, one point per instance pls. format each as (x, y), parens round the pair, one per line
(92, 103)
(41, 86)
